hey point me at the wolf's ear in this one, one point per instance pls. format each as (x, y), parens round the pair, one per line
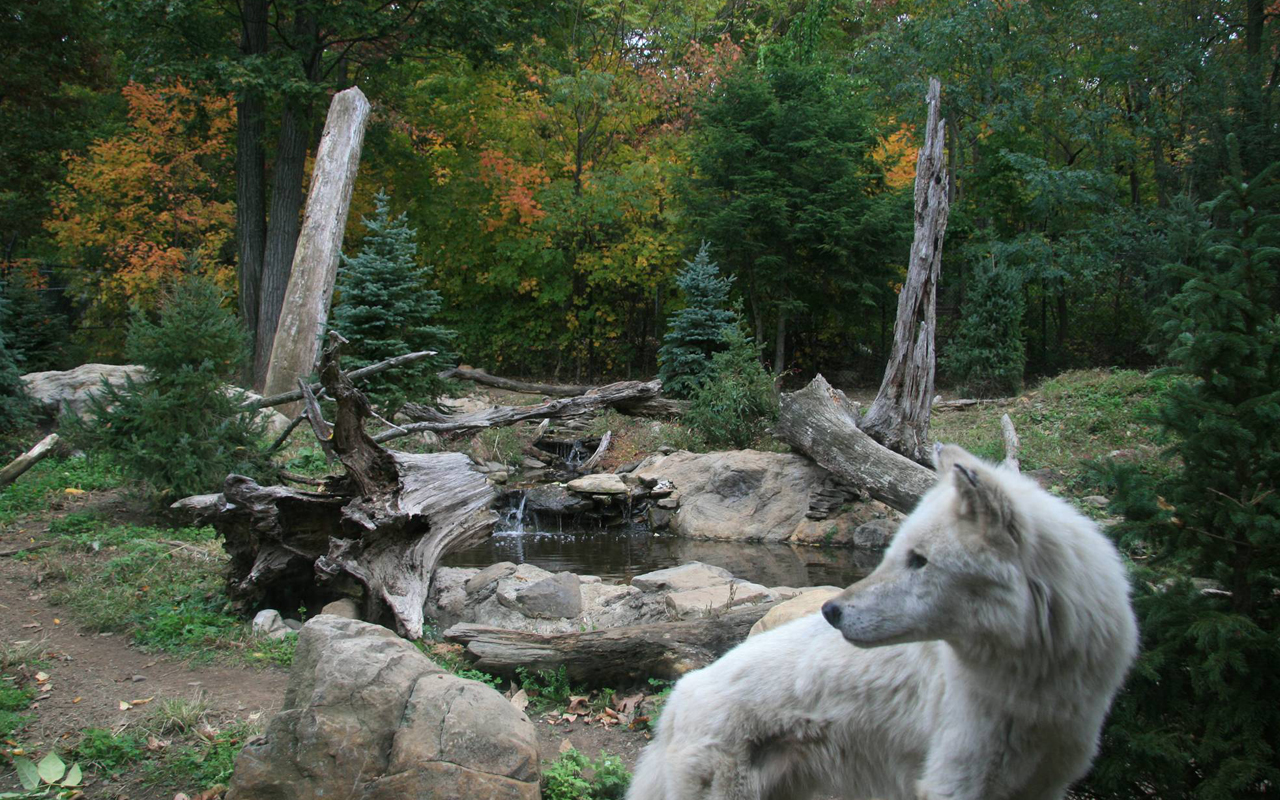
(981, 499)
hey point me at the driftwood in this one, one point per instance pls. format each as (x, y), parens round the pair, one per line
(590, 464)
(354, 375)
(315, 260)
(818, 421)
(612, 655)
(899, 417)
(645, 407)
(613, 395)
(28, 459)
(945, 405)
(25, 549)
(1011, 443)
(385, 524)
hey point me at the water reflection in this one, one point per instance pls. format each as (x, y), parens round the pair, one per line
(618, 554)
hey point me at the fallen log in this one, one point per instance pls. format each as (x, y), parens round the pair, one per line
(644, 407)
(27, 460)
(385, 524)
(817, 421)
(612, 655)
(613, 395)
(946, 405)
(354, 375)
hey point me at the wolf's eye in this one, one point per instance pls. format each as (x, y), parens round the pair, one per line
(915, 560)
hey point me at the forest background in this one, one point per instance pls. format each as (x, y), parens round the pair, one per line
(559, 162)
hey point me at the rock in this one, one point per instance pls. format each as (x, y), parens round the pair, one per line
(708, 600)
(486, 580)
(556, 597)
(529, 462)
(269, 624)
(69, 391)
(494, 466)
(293, 625)
(659, 519)
(874, 534)
(585, 579)
(1096, 500)
(627, 467)
(604, 483)
(345, 608)
(367, 715)
(555, 499)
(748, 495)
(694, 575)
(669, 503)
(810, 602)
(498, 477)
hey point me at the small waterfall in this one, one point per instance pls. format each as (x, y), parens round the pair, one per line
(576, 455)
(513, 523)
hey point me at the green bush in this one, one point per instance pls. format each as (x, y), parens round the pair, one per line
(179, 430)
(1194, 720)
(573, 776)
(385, 306)
(696, 332)
(15, 406)
(736, 405)
(987, 356)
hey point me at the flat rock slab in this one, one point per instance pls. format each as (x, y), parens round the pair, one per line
(709, 600)
(810, 602)
(694, 575)
(604, 483)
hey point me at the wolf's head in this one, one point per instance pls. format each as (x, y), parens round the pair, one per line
(954, 569)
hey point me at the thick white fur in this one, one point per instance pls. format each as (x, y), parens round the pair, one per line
(984, 674)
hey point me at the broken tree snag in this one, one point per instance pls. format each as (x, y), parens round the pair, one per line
(1011, 443)
(613, 655)
(818, 422)
(28, 459)
(354, 375)
(614, 395)
(315, 261)
(899, 417)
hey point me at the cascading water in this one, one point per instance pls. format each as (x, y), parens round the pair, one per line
(513, 523)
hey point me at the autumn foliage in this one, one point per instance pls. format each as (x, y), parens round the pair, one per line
(152, 202)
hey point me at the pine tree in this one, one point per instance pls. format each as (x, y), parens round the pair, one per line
(736, 404)
(696, 332)
(385, 310)
(179, 430)
(15, 407)
(987, 356)
(1198, 718)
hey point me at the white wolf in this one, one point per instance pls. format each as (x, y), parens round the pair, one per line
(977, 662)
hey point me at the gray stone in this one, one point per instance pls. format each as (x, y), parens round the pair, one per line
(558, 596)
(669, 503)
(498, 477)
(1096, 500)
(709, 600)
(366, 715)
(532, 463)
(344, 607)
(70, 391)
(487, 578)
(604, 483)
(494, 466)
(694, 575)
(268, 624)
(874, 534)
(555, 499)
(293, 624)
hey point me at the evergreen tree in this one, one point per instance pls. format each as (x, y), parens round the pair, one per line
(385, 310)
(736, 403)
(696, 332)
(179, 429)
(987, 356)
(15, 407)
(1197, 718)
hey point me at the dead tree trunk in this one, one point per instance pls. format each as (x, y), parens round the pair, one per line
(899, 417)
(27, 460)
(385, 524)
(819, 421)
(315, 260)
(613, 655)
(648, 407)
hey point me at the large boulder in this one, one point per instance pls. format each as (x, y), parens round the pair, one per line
(366, 715)
(69, 391)
(556, 596)
(749, 495)
(804, 604)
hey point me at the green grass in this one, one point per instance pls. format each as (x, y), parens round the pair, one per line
(101, 750)
(573, 776)
(203, 762)
(32, 492)
(16, 692)
(1067, 421)
(547, 689)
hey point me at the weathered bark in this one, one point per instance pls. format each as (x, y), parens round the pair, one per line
(315, 261)
(28, 459)
(818, 421)
(590, 464)
(523, 387)
(1011, 443)
(945, 405)
(614, 395)
(251, 171)
(385, 524)
(613, 655)
(355, 375)
(899, 417)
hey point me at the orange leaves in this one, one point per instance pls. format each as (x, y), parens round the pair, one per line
(514, 186)
(138, 206)
(898, 156)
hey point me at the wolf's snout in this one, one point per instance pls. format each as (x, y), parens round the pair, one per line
(831, 610)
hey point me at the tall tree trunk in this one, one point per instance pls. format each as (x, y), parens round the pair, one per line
(251, 172)
(899, 417)
(780, 344)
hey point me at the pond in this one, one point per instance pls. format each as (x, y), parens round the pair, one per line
(620, 553)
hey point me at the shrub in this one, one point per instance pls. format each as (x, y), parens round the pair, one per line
(736, 405)
(1193, 720)
(696, 332)
(987, 356)
(178, 429)
(15, 406)
(384, 310)
(573, 776)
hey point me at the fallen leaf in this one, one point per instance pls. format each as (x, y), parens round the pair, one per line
(41, 677)
(77, 700)
(143, 701)
(520, 700)
(57, 621)
(181, 796)
(628, 704)
(578, 705)
(124, 706)
(155, 744)
(570, 717)
(566, 746)
(71, 490)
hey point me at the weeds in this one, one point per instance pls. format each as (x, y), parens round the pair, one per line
(207, 761)
(504, 445)
(180, 714)
(109, 752)
(36, 489)
(547, 689)
(573, 776)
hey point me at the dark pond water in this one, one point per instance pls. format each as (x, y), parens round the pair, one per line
(618, 554)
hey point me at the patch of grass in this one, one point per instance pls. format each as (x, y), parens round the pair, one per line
(279, 652)
(547, 689)
(573, 776)
(108, 752)
(205, 762)
(16, 692)
(310, 461)
(1067, 421)
(179, 714)
(33, 491)
(450, 657)
(504, 445)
